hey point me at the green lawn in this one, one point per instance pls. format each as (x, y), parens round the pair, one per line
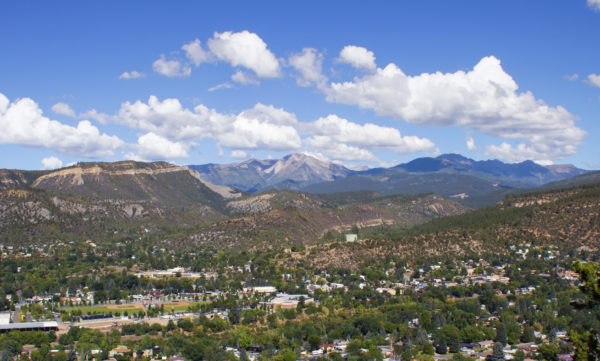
(120, 309)
(176, 307)
(130, 308)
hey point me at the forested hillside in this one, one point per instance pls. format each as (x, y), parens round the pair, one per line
(278, 218)
(568, 219)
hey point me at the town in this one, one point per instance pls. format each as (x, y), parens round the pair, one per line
(517, 306)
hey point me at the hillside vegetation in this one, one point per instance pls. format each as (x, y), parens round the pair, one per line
(174, 205)
(29, 215)
(568, 219)
(285, 218)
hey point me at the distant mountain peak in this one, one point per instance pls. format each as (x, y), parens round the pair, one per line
(293, 171)
(299, 158)
(302, 167)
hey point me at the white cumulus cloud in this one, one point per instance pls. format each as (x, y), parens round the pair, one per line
(321, 148)
(594, 4)
(245, 49)
(151, 146)
(270, 114)
(63, 109)
(52, 163)
(250, 133)
(134, 74)
(358, 57)
(333, 129)
(97, 116)
(594, 79)
(170, 68)
(519, 153)
(262, 127)
(22, 122)
(195, 53)
(485, 99)
(309, 64)
(169, 119)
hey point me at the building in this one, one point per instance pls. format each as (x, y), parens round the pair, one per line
(351, 237)
(283, 300)
(4, 318)
(261, 289)
(30, 326)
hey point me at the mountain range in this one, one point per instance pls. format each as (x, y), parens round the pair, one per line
(170, 203)
(475, 183)
(175, 206)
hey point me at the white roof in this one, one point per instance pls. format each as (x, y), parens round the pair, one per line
(26, 325)
(264, 289)
(4, 318)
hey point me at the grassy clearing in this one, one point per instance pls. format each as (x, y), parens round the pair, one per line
(131, 308)
(105, 309)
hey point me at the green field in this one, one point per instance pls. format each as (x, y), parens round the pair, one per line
(130, 308)
(114, 309)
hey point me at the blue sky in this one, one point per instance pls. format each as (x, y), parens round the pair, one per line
(361, 84)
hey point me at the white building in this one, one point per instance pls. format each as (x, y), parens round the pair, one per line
(351, 237)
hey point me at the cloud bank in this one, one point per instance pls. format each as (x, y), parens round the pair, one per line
(484, 99)
(22, 122)
(263, 127)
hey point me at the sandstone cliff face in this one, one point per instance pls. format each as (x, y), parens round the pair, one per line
(14, 178)
(159, 182)
(91, 198)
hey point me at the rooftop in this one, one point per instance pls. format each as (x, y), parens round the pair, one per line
(29, 325)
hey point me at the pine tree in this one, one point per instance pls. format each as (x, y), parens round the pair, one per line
(589, 343)
(528, 334)
(453, 342)
(501, 334)
(441, 347)
(498, 351)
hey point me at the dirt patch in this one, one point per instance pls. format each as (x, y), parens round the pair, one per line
(174, 304)
(132, 338)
